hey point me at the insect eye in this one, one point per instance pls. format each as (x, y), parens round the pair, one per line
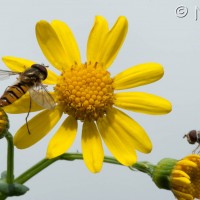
(191, 136)
(190, 141)
(42, 70)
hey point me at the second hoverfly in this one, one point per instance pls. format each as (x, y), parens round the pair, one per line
(193, 137)
(30, 80)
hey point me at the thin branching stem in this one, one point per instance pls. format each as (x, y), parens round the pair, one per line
(41, 165)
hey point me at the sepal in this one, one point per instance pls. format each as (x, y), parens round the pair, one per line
(13, 189)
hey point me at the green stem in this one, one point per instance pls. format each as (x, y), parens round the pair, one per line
(10, 162)
(111, 160)
(10, 159)
(140, 166)
(35, 169)
(2, 196)
(43, 164)
(145, 167)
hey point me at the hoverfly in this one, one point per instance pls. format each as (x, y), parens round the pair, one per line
(193, 137)
(30, 80)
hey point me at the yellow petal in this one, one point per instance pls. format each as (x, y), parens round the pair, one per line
(138, 75)
(180, 181)
(123, 136)
(63, 138)
(142, 102)
(51, 78)
(19, 65)
(192, 157)
(182, 196)
(51, 45)
(187, 163)
(180, 173)
(92, 147)
(96, 38)
(68, 41)
(113, 41)
(39, 126)
(22, 105)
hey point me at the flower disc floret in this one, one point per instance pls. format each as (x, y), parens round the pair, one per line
(86, 91)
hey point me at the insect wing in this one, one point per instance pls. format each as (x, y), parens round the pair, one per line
(6, 74)
(42, 97)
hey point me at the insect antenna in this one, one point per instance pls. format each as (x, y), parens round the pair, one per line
(29, 110)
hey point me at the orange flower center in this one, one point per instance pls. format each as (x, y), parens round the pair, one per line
(86, 91)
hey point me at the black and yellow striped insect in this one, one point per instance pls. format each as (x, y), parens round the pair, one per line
(30, 80)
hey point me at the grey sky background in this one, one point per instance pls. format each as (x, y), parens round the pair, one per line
(155, 34)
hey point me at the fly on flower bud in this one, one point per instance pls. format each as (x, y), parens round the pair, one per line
(4, 123)
(193, 137)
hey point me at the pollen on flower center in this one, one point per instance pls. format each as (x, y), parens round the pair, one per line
(86, 91)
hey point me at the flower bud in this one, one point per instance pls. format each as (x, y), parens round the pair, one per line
(4, 123)
(162, 172)
(181, 177)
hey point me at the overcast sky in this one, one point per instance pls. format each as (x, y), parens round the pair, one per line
(158, 32)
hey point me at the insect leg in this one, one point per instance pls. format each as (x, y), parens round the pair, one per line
(194, 151)
(27, 117)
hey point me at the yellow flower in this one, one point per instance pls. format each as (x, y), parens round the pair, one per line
(185, 178)
(87, 92)
(182, 177)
